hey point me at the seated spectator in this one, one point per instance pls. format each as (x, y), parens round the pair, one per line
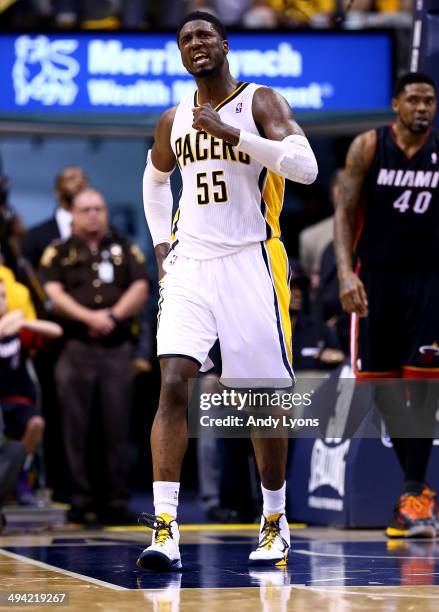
(22, 418)
(230, 12)
(97, 282)
(99, 15)
(394, 6)
(133, 13)
(260, 15)
(102, 14)
(296, 12)
(18, 295)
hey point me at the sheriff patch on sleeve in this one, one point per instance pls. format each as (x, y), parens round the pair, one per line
(48, 256)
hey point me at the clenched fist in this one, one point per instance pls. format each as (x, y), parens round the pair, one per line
(207, 118)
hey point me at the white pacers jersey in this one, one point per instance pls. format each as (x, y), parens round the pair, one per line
(229, 200)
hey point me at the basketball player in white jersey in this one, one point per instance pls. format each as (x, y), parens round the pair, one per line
(223, 272)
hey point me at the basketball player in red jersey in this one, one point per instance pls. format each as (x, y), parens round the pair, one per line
(388, 217)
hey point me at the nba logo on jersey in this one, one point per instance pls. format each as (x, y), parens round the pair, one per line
(238, 108)
(433, 157)
(173, 258)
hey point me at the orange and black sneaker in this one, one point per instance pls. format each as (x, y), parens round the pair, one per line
(414, 517)
(431, 494)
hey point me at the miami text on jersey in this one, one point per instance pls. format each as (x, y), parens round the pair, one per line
(408, 178)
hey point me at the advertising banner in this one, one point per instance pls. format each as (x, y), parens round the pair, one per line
(85, 72)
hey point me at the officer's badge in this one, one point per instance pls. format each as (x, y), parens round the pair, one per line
(106, 272)
(116, 250)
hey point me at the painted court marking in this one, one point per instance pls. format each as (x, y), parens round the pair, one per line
(53, 568)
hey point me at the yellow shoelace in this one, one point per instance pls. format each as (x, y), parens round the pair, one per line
(163, 532)
(161, 524)
(270, 531)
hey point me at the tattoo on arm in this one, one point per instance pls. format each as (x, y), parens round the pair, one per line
(351, 183)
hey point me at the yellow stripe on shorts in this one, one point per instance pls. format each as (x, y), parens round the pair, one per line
(279, 271)
(273, 195)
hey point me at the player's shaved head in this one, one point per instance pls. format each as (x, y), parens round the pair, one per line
(203, 16)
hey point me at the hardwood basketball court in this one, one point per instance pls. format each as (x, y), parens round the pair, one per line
(330, 570)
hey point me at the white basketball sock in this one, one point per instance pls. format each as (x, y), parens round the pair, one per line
(166, 497)
(274, 501)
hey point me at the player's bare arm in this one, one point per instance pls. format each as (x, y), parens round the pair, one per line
(352, 293)
(271, 112)
(157, 197)
(273, 115)
(283, 147)
(162, 155)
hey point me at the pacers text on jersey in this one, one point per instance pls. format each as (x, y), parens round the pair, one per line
(201, 146)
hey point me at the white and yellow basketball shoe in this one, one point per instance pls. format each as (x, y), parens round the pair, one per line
(274, 542)
(163, 555)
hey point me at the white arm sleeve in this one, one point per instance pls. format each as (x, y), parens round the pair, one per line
(157, 202)
(291, 157)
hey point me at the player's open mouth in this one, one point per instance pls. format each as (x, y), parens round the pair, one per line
(199, 58)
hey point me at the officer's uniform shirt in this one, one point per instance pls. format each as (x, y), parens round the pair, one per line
(94, 278)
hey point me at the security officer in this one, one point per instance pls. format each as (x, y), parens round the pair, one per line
(97, 282)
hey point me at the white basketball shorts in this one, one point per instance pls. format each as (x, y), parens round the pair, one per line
(243, 300)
